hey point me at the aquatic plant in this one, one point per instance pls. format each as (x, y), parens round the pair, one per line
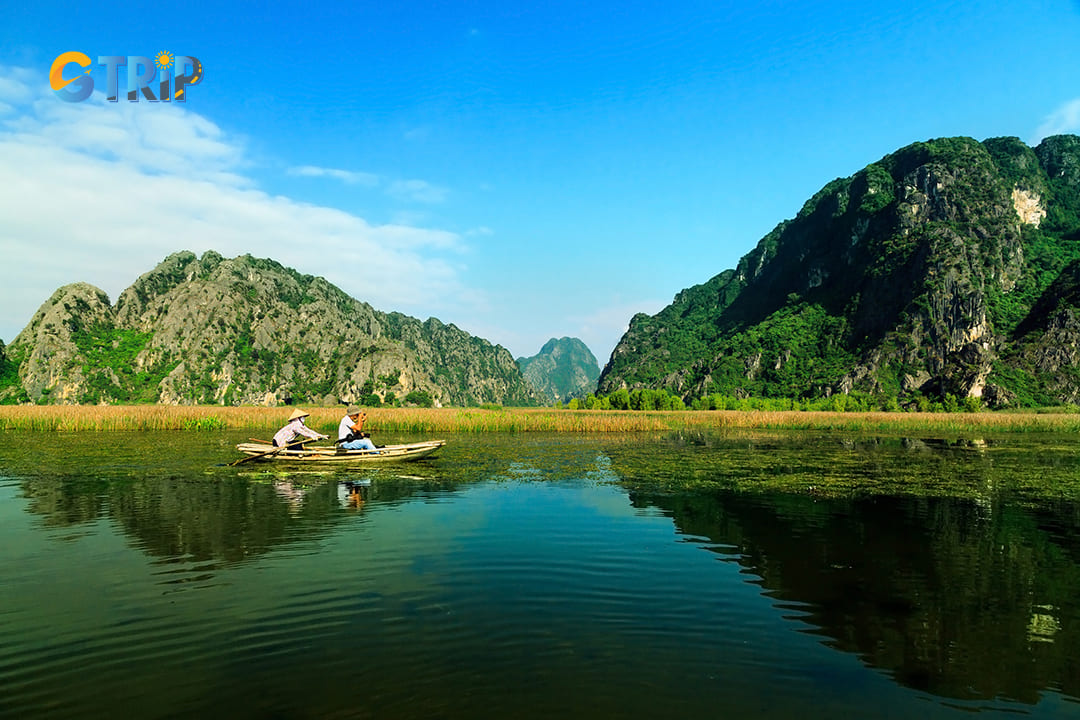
(73, 418)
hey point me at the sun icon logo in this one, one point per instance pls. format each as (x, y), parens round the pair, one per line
(163, 59)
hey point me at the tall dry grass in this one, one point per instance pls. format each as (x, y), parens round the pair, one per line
(65, 418)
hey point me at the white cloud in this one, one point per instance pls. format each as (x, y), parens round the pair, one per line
(418, 191)
(15, 84)
(602, 329)
(101, 192)
(1065, 119)
(410, 190)
(351, 177)
(153, 138)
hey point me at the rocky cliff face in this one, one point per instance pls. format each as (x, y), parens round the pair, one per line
(563, 369)
(246, 331)
(930, 272)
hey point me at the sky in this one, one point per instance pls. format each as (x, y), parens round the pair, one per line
(523, 170)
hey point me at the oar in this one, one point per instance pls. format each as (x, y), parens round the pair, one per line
(269, 452)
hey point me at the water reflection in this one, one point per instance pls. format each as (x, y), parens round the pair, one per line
(182, 504)
(952, 566)
(195, 520)
(354, 494)
(970, 597)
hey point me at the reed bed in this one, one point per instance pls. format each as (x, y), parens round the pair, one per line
(69, 418)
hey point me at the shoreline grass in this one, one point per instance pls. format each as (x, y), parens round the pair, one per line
(80, 418)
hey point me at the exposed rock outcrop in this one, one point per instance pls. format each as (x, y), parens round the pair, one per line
(247, 331)
(910, 277)
(563, 369)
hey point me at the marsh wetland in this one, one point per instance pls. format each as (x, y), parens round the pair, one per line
(683, 573)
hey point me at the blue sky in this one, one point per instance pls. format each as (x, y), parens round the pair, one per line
(522, 170)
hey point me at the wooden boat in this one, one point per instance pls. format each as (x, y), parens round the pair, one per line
(329, 454)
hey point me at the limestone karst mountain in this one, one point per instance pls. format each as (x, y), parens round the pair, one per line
(946, 268)
(246, 331)
(564, 368)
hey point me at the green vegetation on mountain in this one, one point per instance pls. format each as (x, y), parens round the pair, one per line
(944, 270)
(564, 368)
(246, 331)
(9, 369)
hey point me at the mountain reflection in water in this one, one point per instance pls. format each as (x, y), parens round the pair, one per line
(945, 596)
(952, 566)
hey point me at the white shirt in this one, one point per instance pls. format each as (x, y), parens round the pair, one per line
(344, 428)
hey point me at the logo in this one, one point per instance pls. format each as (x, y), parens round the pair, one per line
(170, 74)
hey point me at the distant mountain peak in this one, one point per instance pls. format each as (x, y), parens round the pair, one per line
(564, 368)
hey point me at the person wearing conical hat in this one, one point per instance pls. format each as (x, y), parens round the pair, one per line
(295, 428)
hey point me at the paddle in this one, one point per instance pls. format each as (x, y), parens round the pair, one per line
(270, 452)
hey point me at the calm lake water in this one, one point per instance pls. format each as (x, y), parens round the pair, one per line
(524, 576)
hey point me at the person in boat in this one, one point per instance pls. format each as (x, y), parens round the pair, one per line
(351, 435)
(296, 428)
(351, 425)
